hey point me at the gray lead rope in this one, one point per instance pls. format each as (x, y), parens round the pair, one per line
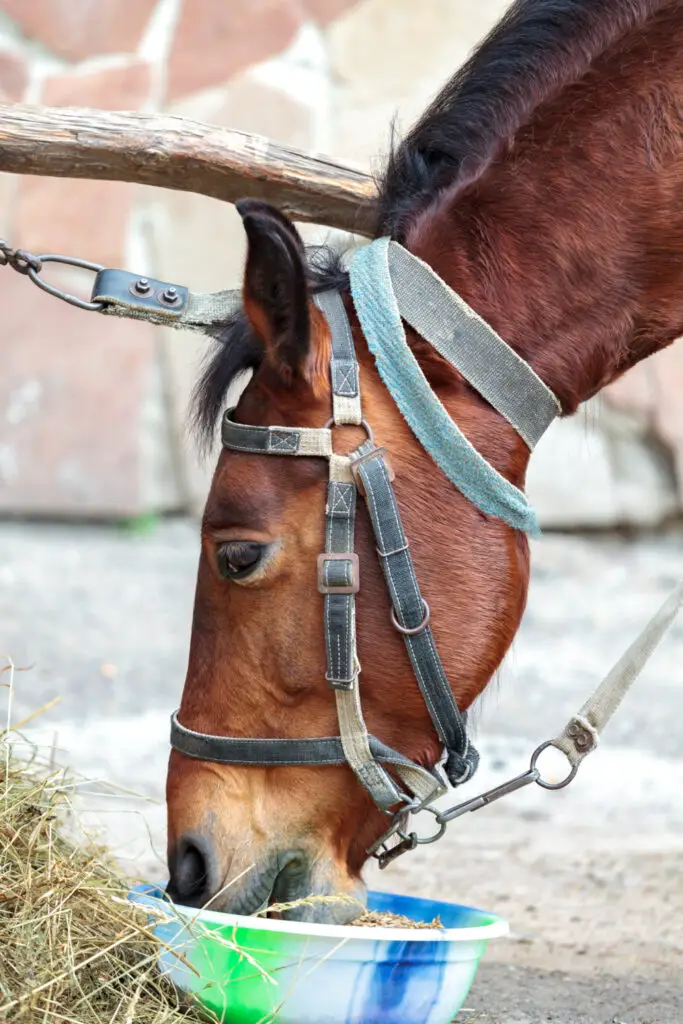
(581, 734)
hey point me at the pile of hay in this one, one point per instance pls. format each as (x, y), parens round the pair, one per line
(72, 949)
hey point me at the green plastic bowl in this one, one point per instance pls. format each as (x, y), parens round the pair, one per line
(252, 970)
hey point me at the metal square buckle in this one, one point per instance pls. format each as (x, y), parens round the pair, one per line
(376, 453)
(325, 588)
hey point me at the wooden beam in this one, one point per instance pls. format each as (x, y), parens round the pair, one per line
(188, 156)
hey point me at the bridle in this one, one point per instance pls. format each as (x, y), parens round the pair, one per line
(388, 283)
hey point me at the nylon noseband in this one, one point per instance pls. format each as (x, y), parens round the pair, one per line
(389, 283)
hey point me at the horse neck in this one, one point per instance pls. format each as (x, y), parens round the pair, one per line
(571, 245)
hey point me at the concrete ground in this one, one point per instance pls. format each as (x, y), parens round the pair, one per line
(589, 878)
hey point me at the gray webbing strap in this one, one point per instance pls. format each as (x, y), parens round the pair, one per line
(411, 612)
(191, 311)
(343, 669)
(460, 335)
(337, 574)
(338, 582)
(581, 734)
(311, 441)
(319, 750)
(344, 376)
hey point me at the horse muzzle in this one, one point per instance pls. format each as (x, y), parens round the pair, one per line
(296, 884)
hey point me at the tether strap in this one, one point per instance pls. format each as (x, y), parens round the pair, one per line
(410, 609)
(581, 734)
(191, 311)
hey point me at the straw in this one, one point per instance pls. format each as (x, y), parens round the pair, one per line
(73, 948)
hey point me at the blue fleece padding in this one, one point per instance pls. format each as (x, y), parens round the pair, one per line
(379, 317)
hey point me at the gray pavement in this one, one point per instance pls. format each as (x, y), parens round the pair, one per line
(588, 878)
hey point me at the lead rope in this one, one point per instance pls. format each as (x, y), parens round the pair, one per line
(582, 732)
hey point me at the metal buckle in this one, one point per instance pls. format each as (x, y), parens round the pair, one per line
(331, 588)
(376, 453)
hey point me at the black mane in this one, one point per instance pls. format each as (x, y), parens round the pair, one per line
(236, 348)
(537, 48)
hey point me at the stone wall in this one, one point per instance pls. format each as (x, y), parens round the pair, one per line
(93, 409)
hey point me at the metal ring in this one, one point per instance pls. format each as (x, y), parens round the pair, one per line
(418, 629)
(363, 423)
(416, 840)
(70, 261)
(540, 781)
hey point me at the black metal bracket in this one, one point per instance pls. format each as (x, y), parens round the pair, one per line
(119, 288)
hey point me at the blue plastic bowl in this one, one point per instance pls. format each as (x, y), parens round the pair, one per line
(253, 970)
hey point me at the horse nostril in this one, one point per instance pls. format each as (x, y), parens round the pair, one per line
(189, 872)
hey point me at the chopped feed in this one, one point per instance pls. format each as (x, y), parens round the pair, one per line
(376, 919)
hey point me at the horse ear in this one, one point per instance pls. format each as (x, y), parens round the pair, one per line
(275, 290)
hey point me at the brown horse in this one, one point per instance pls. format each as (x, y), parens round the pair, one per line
(544, 185)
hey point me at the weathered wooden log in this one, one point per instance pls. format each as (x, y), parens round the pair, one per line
(175, 153)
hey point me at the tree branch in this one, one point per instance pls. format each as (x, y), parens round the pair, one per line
(188, 156)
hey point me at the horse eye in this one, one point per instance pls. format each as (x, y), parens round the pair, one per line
(238, 559)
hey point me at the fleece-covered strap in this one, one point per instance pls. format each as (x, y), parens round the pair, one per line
(380, 319)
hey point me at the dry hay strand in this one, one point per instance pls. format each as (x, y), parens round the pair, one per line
(72, 948)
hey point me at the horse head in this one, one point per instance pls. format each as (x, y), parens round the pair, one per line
(257, 658)
(564, 250)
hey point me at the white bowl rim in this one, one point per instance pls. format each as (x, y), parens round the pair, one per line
(482, 933)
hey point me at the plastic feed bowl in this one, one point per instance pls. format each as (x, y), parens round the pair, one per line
(252, 970)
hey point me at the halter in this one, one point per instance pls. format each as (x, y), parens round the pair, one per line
(388, 283)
